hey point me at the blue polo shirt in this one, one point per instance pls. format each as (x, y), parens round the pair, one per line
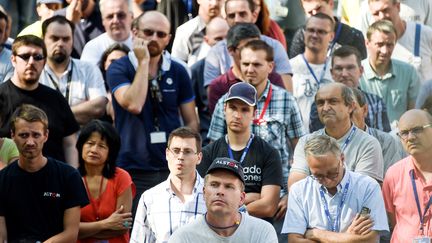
(136, 151)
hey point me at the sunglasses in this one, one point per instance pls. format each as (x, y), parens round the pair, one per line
(26, 57)
(159, 34)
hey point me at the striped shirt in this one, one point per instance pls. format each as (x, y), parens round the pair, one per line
(283, 122)
(160, 212)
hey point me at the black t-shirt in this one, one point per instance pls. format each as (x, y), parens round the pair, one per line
(61, 120)
(261, 166)
(33, 204)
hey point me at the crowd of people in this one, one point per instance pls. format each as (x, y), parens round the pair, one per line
(216, 121)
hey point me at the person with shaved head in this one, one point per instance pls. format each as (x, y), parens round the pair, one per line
(149, 89)
(406, 187)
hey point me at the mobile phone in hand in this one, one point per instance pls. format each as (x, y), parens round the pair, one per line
(365, 211)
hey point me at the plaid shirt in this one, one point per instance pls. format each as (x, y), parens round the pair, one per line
(283, 120)
(160, 212)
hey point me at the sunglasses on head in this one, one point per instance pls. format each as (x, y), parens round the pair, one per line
(159, 34)
(26, 56)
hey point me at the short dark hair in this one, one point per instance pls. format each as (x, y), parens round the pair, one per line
(59, 19)
(359, 97)
(29, 113)
(241, 31)
(251, 4)
(186, 132)
(114, 47)
(27, 40)
(346, 51)
(112, 138)
(322, 16)
(259, 45)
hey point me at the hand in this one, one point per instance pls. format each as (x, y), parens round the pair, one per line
(140, 49)
(118, 220)
(361, 225)
(311, 234)
(73, 11)
(282, 207)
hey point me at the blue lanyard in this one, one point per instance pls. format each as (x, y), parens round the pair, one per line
(348, 139)
(313, 73)
(418, 202)
(335, 226)
(244, 151)
(335, 39)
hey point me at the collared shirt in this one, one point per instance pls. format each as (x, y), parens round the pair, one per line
(86, 81)
(306, 209)
(362, 154)
(397, 87)
(399, 200)
(188, 39)
(160, 212)
(283, 121)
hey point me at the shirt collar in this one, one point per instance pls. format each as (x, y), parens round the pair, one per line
(199, 183)
(166, 60)
(265, 92)
(369, 73)
(48, 69)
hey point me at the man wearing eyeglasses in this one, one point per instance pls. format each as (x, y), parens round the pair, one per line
(312, 68)
(406, 188)
(117, 21)
(28, 58)
(149, 89)
(333, 204)
(176, 201)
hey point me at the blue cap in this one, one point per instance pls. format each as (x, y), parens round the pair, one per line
(244, 92)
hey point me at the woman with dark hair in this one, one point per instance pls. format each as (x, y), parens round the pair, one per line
(110, 189)
(268, 26)
(114, 52)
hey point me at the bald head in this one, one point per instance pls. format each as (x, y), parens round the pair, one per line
(415, 116)
(216, 30)
(416, 134)
(156, 16)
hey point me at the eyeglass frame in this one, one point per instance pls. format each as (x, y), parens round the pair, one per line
(185, 153)
(413, 131)
(150, 33)
(331, 177)
(26, 57)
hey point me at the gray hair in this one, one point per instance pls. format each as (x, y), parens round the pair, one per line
(320, 145)
(102, 4)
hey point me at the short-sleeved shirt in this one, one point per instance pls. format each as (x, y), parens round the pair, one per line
(137, 151)
(305, 86)
(261, 165)
(218, 60)
(306, 207)
(362, 153)
(399, 200)
(160, 212)
(85, 83)
(397, 87)
(33, 203)
(283, 122)
(61, 121)
(106, 204)
(8, 150)
(220, 86)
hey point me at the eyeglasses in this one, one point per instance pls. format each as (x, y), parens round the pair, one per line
(159, 34)
(330, 176)
(186, 153)
(26, 57)
(120, 16)
(318, 31)
(414, 131)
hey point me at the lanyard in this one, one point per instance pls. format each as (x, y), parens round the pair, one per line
(170, 216)
(335, 226)
(156, 97)
(95, 209)
(260, 120)
(68, 84)
(313, 73)
(244, 151)
(418, 203)
(348, 139)
(335, 39)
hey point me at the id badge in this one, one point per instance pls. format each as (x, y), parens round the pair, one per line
(422, 239)
(158, 137)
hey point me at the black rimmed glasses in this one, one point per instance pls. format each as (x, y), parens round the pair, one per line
(159, 34)
(186, 153)
(330, 176)
(414, 131)
(26, 56)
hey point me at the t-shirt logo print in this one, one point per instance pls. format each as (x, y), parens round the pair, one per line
(52, 194)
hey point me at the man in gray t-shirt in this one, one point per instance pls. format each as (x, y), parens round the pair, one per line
(224, 194)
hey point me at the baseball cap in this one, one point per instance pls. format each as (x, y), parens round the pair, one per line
(227, 164)
(49, 1)
(244, 92)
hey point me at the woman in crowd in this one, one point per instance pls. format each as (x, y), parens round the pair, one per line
(268, 26)
(110, 189)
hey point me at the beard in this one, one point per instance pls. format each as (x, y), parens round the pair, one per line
(154, 49)
(59, 57)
